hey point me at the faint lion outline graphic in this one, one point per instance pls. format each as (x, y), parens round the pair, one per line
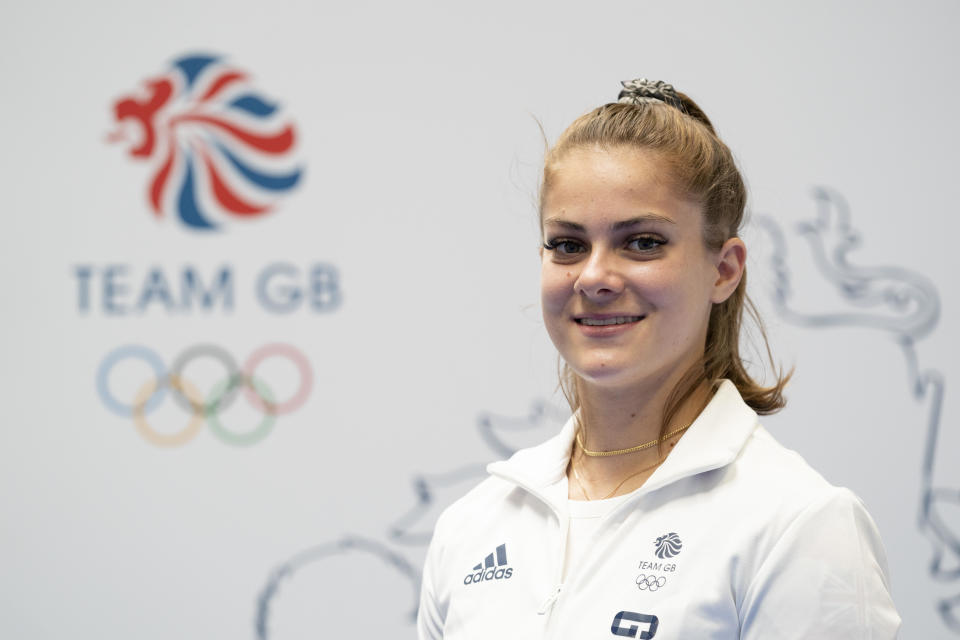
(904, 304)
(413, 529)
(217, 143)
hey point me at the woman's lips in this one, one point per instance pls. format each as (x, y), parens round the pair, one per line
(597, 326)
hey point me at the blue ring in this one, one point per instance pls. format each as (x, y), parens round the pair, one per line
(130, 351)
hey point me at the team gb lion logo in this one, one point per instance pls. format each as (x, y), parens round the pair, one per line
(219, 149)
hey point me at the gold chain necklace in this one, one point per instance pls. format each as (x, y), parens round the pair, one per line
(620, 452)
(576, 476)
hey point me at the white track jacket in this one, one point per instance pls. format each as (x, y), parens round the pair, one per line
(733, 536)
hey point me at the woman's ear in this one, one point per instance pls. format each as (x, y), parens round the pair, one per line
(730, 262)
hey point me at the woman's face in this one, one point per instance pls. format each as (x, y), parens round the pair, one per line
(627, 283)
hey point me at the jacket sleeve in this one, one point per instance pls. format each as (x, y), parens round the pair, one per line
(431, 614)
(825, 578)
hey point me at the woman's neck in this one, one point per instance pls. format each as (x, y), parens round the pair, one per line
(613, 419)
(617, 418)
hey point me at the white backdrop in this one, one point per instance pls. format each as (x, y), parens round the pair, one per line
(415, 128)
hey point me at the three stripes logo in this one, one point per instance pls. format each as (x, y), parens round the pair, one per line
(493, 567)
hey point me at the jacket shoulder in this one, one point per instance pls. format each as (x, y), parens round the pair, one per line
(489, 493)
(773, 470)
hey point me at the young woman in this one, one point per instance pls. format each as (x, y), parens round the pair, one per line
(662, 509)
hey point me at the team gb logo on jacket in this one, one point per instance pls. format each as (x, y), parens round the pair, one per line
(668, 545)
(219, 149)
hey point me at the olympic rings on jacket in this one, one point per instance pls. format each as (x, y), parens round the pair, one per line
(152, 393)
(650, 582)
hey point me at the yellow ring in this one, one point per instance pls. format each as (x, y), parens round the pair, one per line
(172, 439)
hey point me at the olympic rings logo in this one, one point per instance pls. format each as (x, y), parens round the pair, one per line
(153, 392)
(650, 582)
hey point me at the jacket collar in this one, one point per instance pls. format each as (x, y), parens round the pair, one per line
(714, 440)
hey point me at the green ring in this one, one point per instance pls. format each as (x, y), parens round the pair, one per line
(240, 439)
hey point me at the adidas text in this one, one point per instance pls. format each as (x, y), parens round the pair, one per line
(489, 574)
(493, 567)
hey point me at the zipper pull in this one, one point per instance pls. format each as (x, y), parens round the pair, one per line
(548, 603)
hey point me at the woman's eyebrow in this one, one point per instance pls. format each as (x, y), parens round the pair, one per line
(616, 226)
(646, 217)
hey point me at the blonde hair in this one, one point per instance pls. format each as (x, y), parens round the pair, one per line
(703, 167)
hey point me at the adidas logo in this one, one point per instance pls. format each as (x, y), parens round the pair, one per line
(490, 569)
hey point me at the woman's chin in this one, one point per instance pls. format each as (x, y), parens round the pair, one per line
(617, 375)
(608, 374)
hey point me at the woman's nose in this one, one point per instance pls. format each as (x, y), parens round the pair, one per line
(600, 276)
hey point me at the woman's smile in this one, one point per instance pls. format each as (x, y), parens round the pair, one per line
(605, 325)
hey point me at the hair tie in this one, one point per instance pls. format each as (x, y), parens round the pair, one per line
(642, 91)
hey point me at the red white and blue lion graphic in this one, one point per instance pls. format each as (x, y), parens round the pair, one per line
(219, 148)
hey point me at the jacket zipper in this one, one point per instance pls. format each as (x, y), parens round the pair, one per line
(564, 525)
(551, 599)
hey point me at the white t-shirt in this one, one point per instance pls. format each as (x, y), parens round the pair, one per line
(585, 517)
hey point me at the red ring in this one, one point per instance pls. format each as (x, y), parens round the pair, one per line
(306, 377)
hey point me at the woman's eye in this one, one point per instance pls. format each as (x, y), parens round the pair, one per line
(645, 243)
(564, 247)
